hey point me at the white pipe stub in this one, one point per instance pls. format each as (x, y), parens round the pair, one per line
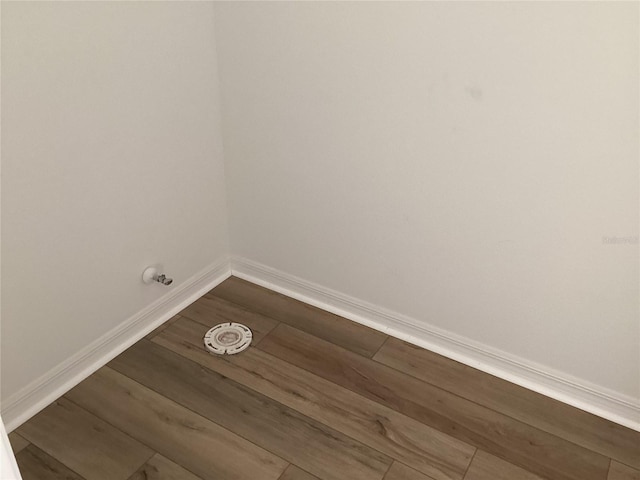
(150, 274)
(228, 338)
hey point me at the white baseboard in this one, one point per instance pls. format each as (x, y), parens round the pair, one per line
(592, 398)
(560, 386)
(41, 392)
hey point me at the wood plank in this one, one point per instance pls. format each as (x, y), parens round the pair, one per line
(338, 330)
(295, 473)
(619, 471)
(17, 442)
(184, 437)
(398, 471)
(161, 468)
(550, 415)
(34, 464)
(210, 311)
(375, 425)
(523, 445)
(488, 467)
(298, 439)
(156, 331)
(84, 443)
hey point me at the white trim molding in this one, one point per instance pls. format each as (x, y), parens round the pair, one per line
(592, 398)
(558, 385)
(27, 402)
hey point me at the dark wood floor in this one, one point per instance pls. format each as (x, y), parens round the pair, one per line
(315, 397)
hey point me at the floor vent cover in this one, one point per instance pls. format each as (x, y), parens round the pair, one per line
(228, 338)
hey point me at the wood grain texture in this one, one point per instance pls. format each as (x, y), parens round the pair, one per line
(550, 415)
(535, 450)
(34, 464)
(295, 473)
(399, 471)
(85, 443)
(184, 437)
(313, 446)
(161, 468)
(488, 467)
(618, 471)
(396, 435)
(352, 336)
(210, 311)
(18, 443)
(156, 331)
(318, 404)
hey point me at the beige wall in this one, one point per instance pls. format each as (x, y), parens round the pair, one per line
(111, 160)
(457, 162)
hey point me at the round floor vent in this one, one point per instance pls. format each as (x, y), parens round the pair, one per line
(228, 338)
